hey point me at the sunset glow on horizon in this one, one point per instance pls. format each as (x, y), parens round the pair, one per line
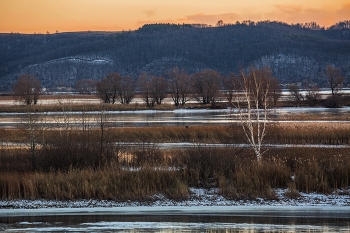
(41, 16)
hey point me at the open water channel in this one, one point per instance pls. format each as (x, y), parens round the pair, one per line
(179, 219)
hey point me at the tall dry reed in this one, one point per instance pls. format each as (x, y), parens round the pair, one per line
(106, 184)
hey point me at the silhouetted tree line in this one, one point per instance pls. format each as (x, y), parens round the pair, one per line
(340, 25)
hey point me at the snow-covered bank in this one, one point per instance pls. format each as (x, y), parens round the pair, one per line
(198, 197)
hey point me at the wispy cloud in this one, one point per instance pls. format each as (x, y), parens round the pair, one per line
(150, 13)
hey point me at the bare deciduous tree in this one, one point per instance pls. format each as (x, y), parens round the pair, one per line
(295, 92)
(85, 86)
(228, 83)
(103, 91)
(253, 91)
(34, 127)
(159, 89)
(313, 95)
(107, 88)
(179, 86)
(144, 83)
(102, 120)
(126, 89)
(31, 122)
(206, 85)
(275, 91)
(335, 79)
(27, 89)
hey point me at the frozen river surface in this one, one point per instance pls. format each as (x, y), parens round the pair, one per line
(180, 117)
(179, 219)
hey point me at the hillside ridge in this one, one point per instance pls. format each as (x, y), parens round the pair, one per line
(294, 52)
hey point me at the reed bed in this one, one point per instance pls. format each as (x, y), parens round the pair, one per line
(279, 133)
(330, 133)
(107, 184)
(336, 116)
(141, 173)
(70, 106)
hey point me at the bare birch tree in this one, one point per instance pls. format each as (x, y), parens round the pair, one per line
(252, 104)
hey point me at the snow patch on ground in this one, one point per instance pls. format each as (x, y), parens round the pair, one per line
(198, 197)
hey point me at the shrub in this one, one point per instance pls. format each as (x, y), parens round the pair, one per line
(333, 102)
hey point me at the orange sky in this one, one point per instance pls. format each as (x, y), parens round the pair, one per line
(40, 16)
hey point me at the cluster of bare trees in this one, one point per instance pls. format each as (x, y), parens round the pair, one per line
(203, 86)
(27, 89)
(152, 88)
(311, 92)
(206, 87)
(179, 86)
(115, 88)
(86, 86)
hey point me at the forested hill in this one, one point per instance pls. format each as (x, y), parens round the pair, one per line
(294, 53)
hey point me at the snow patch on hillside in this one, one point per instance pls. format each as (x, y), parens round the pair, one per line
(82, 59)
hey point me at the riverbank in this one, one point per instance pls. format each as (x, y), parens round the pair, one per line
(197, 197)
